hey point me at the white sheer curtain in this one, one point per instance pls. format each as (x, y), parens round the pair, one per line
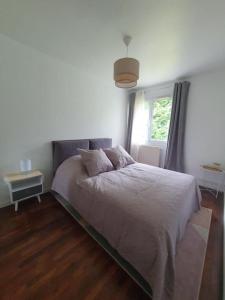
(140, 126)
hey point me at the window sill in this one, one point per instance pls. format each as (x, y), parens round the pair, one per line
(157, 142)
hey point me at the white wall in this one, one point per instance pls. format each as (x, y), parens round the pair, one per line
(205, 127)
(43, 99)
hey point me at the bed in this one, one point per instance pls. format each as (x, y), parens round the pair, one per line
(140, 212)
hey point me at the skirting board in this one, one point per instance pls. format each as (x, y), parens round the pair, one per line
(105, 245)
(4, 204)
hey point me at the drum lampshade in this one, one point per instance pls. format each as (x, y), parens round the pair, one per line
(126, 72)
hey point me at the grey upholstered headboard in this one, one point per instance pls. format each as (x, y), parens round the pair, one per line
(64, 149)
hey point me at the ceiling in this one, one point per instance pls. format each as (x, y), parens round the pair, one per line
(171, 38)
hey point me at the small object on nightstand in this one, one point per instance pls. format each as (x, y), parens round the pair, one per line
(25, 165)
(24, 185)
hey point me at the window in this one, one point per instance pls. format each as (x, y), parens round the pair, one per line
(160, 111)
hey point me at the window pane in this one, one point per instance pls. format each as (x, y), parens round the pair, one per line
(161, 118)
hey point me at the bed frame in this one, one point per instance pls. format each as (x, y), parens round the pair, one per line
(65, 149)
(61, 150)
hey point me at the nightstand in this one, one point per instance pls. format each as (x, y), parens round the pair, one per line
(219, 176)
(24, 185)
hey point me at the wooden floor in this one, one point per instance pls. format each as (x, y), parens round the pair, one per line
(212, 280)
(45, 254)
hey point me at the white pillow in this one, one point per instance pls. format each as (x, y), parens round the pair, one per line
(119, 157)
(95, 161)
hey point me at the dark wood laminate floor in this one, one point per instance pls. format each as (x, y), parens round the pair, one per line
(45, 254)
(212, 280)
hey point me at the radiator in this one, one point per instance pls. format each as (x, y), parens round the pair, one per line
(149, 155)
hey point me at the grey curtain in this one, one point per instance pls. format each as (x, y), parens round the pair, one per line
(175, 148)
(130, 121)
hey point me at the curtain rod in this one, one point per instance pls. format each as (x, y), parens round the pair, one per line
(160, 86)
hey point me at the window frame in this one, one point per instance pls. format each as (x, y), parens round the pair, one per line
(151, 95)
(151, 110)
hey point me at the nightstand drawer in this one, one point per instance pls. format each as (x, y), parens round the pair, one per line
(26, 192)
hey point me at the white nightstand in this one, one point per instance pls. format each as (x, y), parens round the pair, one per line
(219, 176)
(24, 185)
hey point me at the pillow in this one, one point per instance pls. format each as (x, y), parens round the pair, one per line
(77, 167)
(119, 157)
(95, 161)
(70, 171)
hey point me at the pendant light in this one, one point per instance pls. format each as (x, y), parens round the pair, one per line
(126, 70)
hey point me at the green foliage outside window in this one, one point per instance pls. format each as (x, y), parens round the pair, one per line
(161, 119)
